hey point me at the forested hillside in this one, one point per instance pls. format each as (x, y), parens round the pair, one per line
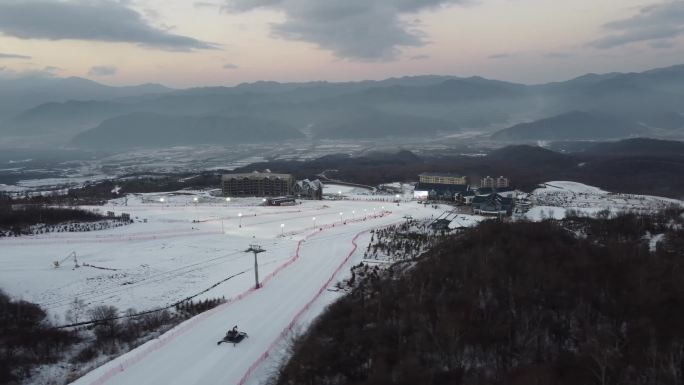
(584, 301)
(653, 170)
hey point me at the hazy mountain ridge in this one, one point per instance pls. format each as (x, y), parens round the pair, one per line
(375, 124)
(638, 147)
(574, 125)
(145, 129)
(20, 94)
(448, 91)
(652, 100)
(69, 117)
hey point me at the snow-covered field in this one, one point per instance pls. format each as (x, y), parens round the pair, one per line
(185, 247)
(555, 198)
(362, 193)
(337, 189)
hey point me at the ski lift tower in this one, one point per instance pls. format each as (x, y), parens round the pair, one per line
(256, 249)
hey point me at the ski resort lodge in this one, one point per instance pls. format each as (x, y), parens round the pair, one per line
(257, 184)
(441, 186)
(442, 178)
(492, 197)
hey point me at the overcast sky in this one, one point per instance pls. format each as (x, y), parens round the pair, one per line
(184, 43)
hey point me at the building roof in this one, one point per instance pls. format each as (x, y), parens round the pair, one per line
(493, 198)
(440, 223)
(443, 174)
(256, 175)
(442, 188)
(310, 184)
(490, 190)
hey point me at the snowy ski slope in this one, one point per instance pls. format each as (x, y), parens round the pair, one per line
(186, 247)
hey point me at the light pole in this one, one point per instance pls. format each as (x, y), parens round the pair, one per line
(282, 229)
(353, 214)
(314, 222)
(240, 216)
(256, 249)
(341, 216)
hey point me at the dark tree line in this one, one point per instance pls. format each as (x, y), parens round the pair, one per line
(17, 220)
(69, 227)
(27, 339)
(28, 215)
(584, 301)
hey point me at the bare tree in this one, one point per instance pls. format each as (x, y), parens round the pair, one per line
(105, 317)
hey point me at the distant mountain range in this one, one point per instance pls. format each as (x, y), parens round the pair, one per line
(590, 107)
(20, 94)
(375, 124)
(638, 147)
(145, 129)
(574, 125)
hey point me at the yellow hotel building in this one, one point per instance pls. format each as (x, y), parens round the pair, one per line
(442, 178)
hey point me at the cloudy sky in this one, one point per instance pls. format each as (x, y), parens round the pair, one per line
(223, 42)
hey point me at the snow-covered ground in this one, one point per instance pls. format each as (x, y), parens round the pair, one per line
(555, 198)
(185, 247)
(361, 193)
(183, 243)
(338, 189)
(462, 221)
